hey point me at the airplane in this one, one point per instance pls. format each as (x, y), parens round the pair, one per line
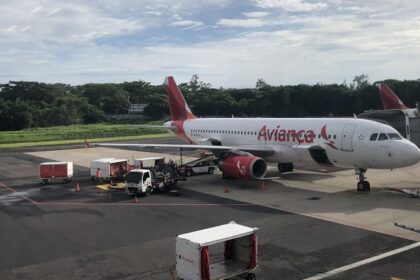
(396, 114)
(389, 99)
(245, 145)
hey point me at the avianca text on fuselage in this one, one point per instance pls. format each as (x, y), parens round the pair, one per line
(286, 135)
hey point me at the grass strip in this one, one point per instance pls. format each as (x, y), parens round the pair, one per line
(82, 141)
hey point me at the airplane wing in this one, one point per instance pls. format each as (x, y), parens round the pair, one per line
(153, 126)
(255, 150)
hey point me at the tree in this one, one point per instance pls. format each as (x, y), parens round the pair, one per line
(360, 81)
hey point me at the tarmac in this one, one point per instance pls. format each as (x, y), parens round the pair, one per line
(312, 222)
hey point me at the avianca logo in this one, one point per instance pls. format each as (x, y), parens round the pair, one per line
(325, 137)
(241, 169)
(286, 135)
(293, 135)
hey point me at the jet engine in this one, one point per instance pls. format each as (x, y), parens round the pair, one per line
(243, 167)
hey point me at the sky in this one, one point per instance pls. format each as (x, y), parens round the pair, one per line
(227, 43)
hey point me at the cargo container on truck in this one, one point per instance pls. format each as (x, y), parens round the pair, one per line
(108, 168)
(55, 171)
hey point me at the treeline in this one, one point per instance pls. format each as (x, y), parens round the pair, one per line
(33, 104)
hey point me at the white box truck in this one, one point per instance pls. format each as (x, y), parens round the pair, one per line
(234, 253)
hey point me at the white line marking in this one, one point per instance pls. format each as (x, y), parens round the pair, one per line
(363, 262)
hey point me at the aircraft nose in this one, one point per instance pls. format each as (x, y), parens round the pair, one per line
(412, 153)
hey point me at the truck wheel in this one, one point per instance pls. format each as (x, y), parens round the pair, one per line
(148, 191)
(188, 173)
(211, 171)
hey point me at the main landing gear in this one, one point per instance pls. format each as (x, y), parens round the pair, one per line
(362, 185)
(285, 167)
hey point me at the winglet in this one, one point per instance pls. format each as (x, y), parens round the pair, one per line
(177, 104)
(389, 99)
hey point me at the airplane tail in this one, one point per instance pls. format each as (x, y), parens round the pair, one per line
(177, 104)
(389, 99)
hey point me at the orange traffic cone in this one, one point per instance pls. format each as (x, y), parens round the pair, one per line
(263, 187)
(77, 187)
(226, 190)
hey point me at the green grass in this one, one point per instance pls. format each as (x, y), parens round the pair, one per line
(76, 134)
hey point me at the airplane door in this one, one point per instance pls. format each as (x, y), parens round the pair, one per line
(346, 138)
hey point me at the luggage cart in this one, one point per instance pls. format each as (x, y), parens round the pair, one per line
(221, 252)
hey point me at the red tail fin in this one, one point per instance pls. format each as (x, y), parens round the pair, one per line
(177, 104)
(389, 99)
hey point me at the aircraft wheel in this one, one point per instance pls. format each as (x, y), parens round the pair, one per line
(366, 186)
(360, 186)
(363, 186)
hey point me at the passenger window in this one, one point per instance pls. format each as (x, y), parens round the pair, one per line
(373, 137)
(382, 136)
(394, 136)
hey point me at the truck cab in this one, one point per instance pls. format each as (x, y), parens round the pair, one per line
(139, 181)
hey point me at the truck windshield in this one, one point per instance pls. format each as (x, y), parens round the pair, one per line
(133, 177)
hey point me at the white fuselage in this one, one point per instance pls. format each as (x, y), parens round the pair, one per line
(346, 141)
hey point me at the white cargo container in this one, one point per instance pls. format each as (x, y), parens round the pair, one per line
(195, 259)
(110, 168)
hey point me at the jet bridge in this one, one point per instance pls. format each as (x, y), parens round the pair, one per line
(405, 121)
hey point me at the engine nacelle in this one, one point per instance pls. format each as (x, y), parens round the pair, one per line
(244, 167)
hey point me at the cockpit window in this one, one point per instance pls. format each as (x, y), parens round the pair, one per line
(394, 136)
(382, 136)
(373, 137)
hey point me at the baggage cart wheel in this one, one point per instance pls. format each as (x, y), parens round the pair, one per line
(44, 182)
(251, 276)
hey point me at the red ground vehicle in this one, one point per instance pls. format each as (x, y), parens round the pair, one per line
(58, 171)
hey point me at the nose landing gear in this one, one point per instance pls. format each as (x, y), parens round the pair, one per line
(362, 185)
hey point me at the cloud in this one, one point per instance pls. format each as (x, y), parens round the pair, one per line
(291, 5)
(26, 28)
(243, 23)
(187, 24)
(56, 10)
(37, 9)
(256, 14)
(67, 24)
(79, 41)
